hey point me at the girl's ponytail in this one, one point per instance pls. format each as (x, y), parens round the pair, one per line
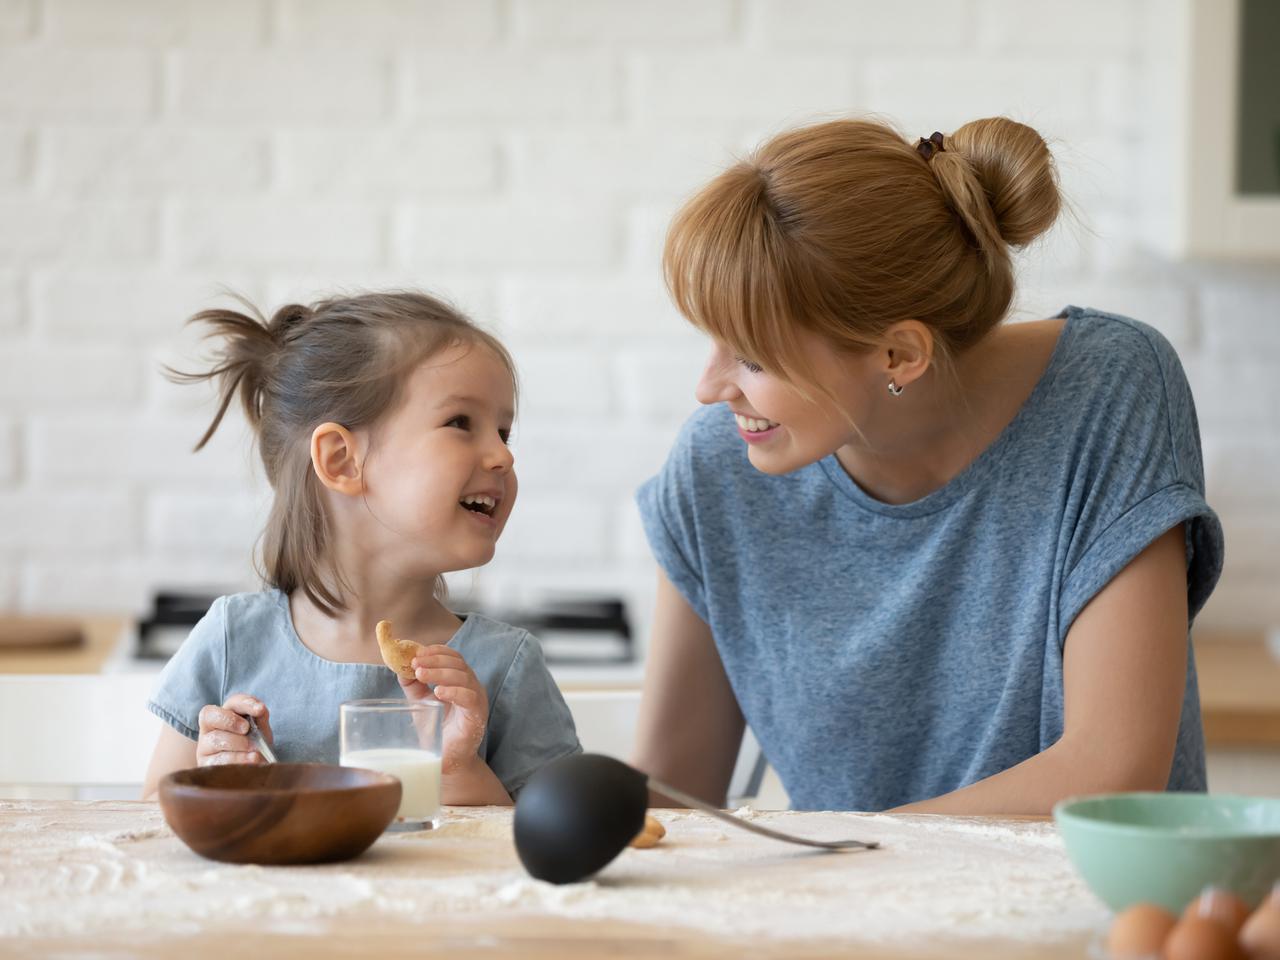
(250, 347)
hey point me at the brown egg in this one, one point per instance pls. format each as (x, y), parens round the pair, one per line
(1260, 935)
(1220, 905)
(1139, 931)
(1200, 938)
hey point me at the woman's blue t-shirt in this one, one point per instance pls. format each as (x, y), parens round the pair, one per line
(884, 654)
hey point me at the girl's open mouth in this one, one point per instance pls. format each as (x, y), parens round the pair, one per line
(480, 505)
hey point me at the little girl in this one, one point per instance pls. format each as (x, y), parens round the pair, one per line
(383, 422)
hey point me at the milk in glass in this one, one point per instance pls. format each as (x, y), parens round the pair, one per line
(418, 772)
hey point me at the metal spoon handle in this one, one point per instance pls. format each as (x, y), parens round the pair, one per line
(691, 801)
(260, 742)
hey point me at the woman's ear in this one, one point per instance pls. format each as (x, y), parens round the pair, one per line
(907, 351)
(335, 457)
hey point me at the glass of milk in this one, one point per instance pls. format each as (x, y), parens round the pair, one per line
(402, 738)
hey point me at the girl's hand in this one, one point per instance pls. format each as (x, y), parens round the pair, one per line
(467, 715)
(224, 731)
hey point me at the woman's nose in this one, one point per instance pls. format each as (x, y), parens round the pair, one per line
(716, 385)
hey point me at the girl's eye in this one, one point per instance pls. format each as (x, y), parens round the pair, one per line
(505, 435)
(753, 367)
(461, 421)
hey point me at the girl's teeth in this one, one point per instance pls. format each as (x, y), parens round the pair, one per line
(485, 503)
(752, 425)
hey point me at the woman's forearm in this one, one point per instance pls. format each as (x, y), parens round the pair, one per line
(1032, 787)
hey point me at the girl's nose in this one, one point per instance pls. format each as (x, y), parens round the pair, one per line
(499, 458)
(716, 383)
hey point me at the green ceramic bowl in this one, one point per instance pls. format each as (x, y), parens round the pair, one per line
(1165, 848)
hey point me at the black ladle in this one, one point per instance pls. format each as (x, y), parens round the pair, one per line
(577, 813)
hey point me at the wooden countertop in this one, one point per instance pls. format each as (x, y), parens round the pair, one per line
(108, 879)
(1239, 689)
(103, 636)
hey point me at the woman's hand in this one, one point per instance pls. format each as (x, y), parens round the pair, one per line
(224, 731)
(452, 682)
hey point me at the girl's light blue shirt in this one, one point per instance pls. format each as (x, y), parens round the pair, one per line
(884, 654)
(246, 643)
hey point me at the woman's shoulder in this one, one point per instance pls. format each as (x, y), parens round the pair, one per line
(1120, 384)
(1112, 341)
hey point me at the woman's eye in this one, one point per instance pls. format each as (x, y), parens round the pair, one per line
(753, 367)
(505, 435)
(461, 421)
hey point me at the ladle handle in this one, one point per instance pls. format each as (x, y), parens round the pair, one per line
(691, 801)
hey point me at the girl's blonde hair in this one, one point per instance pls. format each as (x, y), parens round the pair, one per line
(845, 228)
(344, 360)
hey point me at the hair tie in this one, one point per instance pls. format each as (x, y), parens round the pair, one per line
(927, 148)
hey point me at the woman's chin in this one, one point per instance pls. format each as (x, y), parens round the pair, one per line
(775, 462)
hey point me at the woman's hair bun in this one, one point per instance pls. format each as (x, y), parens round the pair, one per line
(1015, 169)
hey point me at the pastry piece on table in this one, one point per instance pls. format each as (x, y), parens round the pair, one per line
(648, 837)
(397, 654)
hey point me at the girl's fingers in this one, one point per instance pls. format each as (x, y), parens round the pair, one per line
(218, 741)
(219, 759)
(450, 677)
(451, 659)
(218, 718)
(242, 705)
(465, 698)
(246, 705)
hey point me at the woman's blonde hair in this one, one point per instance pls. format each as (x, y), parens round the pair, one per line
(844, 228)
(344, 360)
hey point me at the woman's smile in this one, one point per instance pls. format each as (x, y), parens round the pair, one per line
(755, 429)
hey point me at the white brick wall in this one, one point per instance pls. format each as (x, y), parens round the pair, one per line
(522, 157)
(44, 84)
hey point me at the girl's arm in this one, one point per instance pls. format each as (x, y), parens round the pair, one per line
(690, 726)
(173, 752)
(1124, 674)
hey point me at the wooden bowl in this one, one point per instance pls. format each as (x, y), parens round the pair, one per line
(279, 813)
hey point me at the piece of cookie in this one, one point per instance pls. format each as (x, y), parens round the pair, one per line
(648, 837)
(397, 654)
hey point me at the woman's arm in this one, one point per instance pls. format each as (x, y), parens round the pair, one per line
(690, 726)
(1124, 673)
(173, 752)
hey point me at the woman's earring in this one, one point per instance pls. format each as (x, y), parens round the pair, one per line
(894, 389)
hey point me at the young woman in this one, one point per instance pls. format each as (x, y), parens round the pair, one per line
(937, 562)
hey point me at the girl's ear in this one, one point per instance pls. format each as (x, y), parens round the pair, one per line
(335, 457)
(907, 351)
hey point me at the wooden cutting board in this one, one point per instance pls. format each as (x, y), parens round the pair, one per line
(25, 633)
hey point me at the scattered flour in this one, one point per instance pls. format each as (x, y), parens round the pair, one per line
(113, 866)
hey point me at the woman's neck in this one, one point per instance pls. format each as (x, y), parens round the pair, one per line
(944, 421)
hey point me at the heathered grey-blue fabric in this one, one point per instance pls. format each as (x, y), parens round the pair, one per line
(246, 643)
(884, 654)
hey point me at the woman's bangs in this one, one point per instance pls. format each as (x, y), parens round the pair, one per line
(721, 261)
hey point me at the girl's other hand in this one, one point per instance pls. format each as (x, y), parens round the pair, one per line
(454, 684)
(224, 731)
